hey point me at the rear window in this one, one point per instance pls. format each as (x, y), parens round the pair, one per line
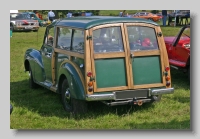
(142, 38)
(108, 40)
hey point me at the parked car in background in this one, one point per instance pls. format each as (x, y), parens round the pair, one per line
(147, 15)
(114, 60)
(178, 49)
(21, 22)
(160, 15)
(35, 17)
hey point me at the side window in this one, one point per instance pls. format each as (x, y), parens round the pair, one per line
(78, 41)
(108, 40)
(64, 38)
(142, 38)
(50, 37)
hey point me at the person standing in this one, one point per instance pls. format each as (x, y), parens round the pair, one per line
(164, 17)
(51, 15)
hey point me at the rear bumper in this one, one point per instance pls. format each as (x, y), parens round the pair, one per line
(129, 94)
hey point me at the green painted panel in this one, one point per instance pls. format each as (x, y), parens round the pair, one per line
(110, 72)
(146, 70)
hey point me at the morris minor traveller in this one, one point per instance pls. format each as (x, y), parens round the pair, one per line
(114, 60)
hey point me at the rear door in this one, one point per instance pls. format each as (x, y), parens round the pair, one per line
(126, 56)
(145, 55)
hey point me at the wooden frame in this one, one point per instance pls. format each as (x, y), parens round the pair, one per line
(126, 54)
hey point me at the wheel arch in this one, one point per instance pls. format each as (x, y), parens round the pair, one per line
(68, 71)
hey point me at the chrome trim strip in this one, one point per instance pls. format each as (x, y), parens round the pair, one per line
(162, 91)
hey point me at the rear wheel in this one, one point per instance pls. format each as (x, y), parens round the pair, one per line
(71, 104)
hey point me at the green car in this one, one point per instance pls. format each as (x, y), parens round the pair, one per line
(114, 60)
(33, 15)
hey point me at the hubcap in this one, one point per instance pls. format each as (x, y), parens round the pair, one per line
(67, 95)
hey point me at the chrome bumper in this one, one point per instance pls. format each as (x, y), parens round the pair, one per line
(112, 95)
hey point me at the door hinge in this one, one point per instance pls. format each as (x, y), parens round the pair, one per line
(89, 37)
(159, 34)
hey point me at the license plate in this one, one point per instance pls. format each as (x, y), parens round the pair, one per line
(28, 27)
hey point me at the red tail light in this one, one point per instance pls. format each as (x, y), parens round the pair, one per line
(89, 74)
(167, 68)
(168, 83)
(90, 89)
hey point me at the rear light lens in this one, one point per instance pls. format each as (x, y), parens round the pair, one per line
(90, 84)
(168, 83)
(90, 89)
(167, 78)
(89, 74)
(167, 68)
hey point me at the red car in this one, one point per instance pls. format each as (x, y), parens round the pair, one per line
(178, 49)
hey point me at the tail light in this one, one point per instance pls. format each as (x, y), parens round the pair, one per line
(168, 83)
(89, 74)
(90, 83)
(167, 77)
(167, 68)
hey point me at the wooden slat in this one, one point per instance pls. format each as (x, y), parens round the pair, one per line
(148, 85)
(146, 53)
(127, 56)
(109, 55)
(165, 59)
(88, 61)
(111, 88)
(69, 53)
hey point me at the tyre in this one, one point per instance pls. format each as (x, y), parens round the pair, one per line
(70, 104)
(32, 84)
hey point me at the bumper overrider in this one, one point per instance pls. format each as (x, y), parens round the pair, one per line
(137, 97)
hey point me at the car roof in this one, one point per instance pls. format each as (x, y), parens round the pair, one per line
(84, 22)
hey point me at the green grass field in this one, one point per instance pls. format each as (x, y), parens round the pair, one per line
(42, 109)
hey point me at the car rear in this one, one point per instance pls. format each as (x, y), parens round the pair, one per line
(129, 66)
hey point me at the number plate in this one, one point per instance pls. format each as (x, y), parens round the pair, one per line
(28, 27)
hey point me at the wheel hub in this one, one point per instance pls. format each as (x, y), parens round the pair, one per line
(67, 95)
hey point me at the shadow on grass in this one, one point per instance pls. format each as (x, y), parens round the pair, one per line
(47, 103)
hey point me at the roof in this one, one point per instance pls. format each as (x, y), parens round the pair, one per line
(83, 22)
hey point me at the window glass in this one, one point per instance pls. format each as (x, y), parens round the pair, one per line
(108, 40)
(50, 37)
(64, 38)
(142, 38)
(78, 41)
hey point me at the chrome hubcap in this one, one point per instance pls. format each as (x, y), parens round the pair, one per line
(67, 95)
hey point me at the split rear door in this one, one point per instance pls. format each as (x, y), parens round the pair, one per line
(127, 56)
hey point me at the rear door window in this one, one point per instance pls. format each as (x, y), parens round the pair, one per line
(142, 38)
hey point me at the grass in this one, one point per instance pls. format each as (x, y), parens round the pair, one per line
(42, 109)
